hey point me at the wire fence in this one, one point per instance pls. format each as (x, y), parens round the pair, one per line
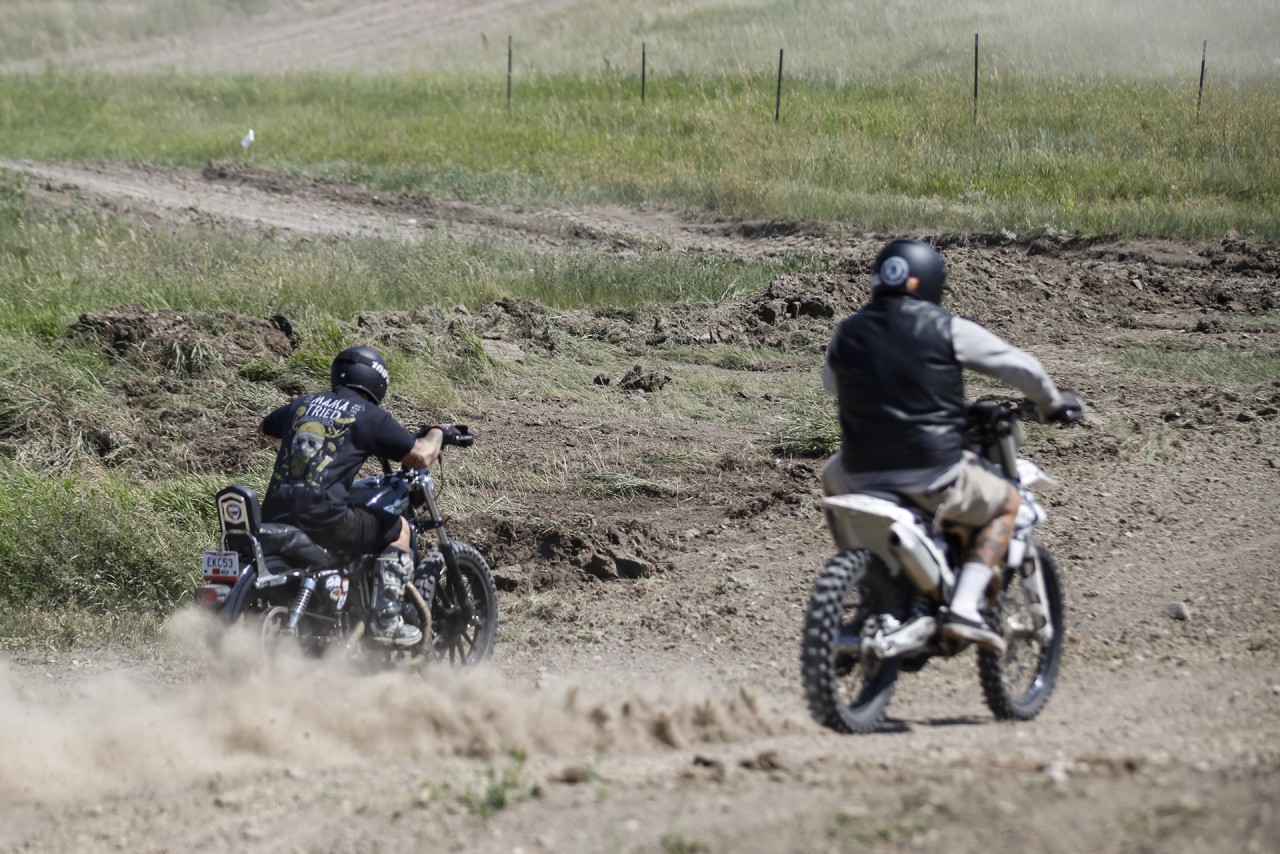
(644, 77)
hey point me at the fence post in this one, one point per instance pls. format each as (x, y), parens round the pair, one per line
(509, 53)
(777, 104)
(975, 78)
(1204, 53)
(644, 67)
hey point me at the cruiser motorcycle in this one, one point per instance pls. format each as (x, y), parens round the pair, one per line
(274, 578)
(878, 606)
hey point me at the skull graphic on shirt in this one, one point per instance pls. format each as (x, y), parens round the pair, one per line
(308, 439)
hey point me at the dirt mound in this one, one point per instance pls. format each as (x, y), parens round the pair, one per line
(191, 344)
(1044, 290)
(576, 547)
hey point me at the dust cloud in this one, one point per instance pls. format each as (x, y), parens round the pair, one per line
(67, 738)
(1141, 39)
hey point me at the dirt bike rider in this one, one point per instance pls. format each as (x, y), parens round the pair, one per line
(325, 438)
(896, 368)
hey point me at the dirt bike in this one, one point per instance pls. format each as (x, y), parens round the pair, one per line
(276, 578)
(877, 608)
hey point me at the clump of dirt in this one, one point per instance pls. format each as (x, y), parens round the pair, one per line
(577, 547)
(1051, 284)
(639, 379)
(164, 339)
(179, 414)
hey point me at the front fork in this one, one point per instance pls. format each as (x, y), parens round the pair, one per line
(1031, 574)
(452, 581)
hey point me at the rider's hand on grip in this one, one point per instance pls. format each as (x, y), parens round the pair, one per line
(1071, 410)
(458, 435)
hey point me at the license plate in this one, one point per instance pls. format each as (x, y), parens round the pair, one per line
(221, 566)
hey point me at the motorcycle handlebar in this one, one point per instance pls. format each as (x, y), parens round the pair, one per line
(1071, 410)
(458, 435)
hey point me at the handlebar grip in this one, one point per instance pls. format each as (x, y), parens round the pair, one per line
(458, 435)
(1071, 410)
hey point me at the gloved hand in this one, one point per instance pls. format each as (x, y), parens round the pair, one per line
(1071, 410)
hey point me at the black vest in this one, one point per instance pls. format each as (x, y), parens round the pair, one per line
(900, 387)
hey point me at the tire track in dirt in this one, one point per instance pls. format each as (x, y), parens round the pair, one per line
(237, 195)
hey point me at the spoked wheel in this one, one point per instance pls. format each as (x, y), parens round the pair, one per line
(846, 692)
(464, 610)
(1018, 682)
(274, 633)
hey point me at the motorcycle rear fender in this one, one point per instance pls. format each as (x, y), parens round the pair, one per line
(893, 533)
(245, 584)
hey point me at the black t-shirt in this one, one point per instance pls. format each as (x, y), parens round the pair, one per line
(324, 440)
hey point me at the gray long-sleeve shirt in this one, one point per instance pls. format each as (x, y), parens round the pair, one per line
(981, 350)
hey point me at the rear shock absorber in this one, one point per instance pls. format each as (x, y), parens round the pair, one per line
(300, 603)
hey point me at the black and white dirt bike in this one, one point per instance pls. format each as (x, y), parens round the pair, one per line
(878, 606)
(275, 578)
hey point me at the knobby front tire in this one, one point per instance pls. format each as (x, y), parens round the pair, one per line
(1017, 683)
(464, 621)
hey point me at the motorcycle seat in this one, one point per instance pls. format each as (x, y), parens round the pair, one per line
(899, 498)
(886, 495)
(294, 545)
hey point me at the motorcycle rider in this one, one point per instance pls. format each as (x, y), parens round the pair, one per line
(325, 438)
(896, 368)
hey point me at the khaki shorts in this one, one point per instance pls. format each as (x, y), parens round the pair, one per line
(973, 498)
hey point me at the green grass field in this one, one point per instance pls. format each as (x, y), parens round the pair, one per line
(1081, 156)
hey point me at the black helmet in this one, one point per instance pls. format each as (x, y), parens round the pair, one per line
(910, 267)
(361, 368)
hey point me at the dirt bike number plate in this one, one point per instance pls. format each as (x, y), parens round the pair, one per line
(221, 566)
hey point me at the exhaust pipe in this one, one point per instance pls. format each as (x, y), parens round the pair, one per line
(916, 559)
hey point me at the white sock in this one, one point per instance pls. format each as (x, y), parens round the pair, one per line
(971, 588)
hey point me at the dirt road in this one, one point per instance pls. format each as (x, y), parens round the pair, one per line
(666, 713)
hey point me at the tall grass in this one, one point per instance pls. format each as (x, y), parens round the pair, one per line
(95, 542)
(55, 264)
(1091, 155)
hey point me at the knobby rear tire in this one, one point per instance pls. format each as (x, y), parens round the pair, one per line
(1017, 683)
(832, 613)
